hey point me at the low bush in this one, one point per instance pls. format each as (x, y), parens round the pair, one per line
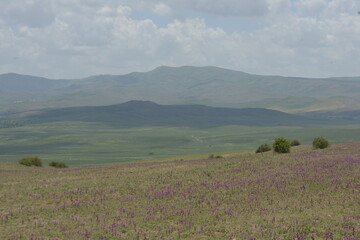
(281, 145)
(295, 143)
(263, 148)
(31, 161)
(25, 161)
(58, 164)
(320, 143)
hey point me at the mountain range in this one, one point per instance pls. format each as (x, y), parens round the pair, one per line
(210, 86)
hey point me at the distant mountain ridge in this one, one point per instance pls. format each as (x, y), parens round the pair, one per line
(211, 86)
(147, 113)
(13, 82)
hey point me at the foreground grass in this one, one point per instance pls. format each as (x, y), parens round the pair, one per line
(303, 195)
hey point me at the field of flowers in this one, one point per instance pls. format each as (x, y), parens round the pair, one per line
(306, 194)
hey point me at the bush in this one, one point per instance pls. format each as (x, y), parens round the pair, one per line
(58, 164)
(295, 143)
(263, 148)
(25, 161)
(36, 162)
(320, 142)
(30, 161)
(213, 156)
(281, 145)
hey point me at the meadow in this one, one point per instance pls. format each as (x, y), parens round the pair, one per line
(80, 143)
(307, 194)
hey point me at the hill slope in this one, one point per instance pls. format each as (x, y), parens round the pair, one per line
(12, 82)
(303, 195)
(188, 85)
(146, 113)
(215, 86)
(338, 115)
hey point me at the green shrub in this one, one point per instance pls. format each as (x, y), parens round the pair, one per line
(214, 156)
(295, 143)
(263, 148)
(58, 164)
(25, 161)
(320, 142)
(31, 161)
(281, 145)
(36, 162)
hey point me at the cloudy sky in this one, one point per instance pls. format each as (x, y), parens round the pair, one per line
(79, 38)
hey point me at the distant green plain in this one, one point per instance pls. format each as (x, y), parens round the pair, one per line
(78, 143)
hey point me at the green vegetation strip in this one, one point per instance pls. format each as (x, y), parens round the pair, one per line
(79, 143)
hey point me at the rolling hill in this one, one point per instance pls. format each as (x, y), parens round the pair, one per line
(146, 113)
(211, 86)
(306, 194)
(12, 82)
(335, 115)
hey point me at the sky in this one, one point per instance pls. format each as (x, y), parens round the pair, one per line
(80, 38)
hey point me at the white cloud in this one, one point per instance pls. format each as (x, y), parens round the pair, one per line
(278, 6)
(28, 13)
(83, 38)
(163, 9)
(312, 6)
(227, 7)
(212, 7)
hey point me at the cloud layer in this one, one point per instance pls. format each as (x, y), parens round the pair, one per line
(78, 38)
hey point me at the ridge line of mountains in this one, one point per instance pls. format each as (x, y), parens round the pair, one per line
(211, 86)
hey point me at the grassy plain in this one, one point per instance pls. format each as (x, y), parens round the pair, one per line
(306, 194)
(79, 143)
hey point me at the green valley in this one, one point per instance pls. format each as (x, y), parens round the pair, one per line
(79, 143)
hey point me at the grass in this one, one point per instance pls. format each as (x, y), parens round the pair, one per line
(79, 144)
(307, 194)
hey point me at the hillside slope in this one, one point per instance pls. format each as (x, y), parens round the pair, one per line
(185, 85)
(12, 82)
(302, 195)
(214, 86)
(146, 113)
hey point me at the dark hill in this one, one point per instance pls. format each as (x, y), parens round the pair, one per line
(146, 113)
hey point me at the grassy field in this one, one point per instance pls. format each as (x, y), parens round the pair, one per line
(306, 194)
(79, 144)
